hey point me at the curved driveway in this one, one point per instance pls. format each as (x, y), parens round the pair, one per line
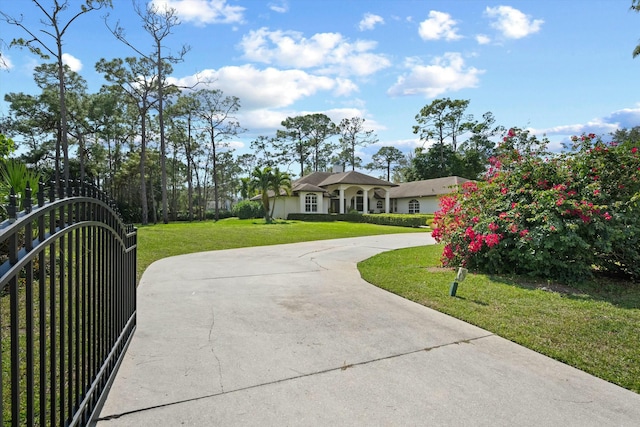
(290, 335)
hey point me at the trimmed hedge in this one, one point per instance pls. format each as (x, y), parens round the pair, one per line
(400, 220)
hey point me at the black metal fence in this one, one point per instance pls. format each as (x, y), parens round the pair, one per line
(67, 303)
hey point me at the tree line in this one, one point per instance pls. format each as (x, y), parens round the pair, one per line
(163, 151)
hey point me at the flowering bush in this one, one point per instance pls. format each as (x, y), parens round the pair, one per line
(557, 216)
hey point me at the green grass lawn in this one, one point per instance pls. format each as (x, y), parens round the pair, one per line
(593, 327)
(164, 240)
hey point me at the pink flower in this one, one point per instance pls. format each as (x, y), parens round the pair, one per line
(552, 228)
(447, 252)
(607, 216)
(524, 233)
(475, 219)
(634, 150)
(543, 184)
(511, 133)
(596, 192)
(492, 239)
(469, 233)
(437, 234)
(514, 205)
(493, 227)
(503, 190)
(475, 246)
(470, 186)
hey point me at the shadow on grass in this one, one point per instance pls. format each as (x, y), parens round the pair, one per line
(623, 294)
(274, 222)
(475, 301)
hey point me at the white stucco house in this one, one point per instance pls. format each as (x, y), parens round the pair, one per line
(342, 192)
(422, 196)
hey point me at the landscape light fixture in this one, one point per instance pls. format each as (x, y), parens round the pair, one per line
(462, 273)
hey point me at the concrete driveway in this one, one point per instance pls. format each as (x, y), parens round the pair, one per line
(290, 335)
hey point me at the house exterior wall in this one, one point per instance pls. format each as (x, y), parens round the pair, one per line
(284, 206)
(427, 204)
(296, 204)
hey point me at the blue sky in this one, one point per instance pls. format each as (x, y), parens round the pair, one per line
(557, 67)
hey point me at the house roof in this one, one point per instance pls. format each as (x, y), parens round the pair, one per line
(270, 193)
(307, 187)
(352, 177)
(427, 187)
(314, 178)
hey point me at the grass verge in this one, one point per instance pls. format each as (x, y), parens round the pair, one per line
(594, 327)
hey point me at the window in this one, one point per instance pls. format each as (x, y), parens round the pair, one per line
(359, 201)
(379, 205)
(394, 206)
(414, 206)
(311, 203)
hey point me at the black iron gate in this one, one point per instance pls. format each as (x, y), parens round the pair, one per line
(67, 304)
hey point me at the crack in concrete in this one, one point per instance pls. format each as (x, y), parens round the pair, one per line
(199, 279)
(213, 322)
(317, 251)
(342, 367)
(315, 261)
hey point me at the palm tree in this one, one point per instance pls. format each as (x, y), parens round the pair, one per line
(245, 187)
(261, 180)
(280, 182)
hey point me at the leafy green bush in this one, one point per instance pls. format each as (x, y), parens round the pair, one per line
(400, 220)
(556, 216)
(248, 209)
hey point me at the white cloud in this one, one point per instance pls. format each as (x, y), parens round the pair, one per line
(202, 12)
(625, 118)
(74, 63)
(280, 7)
(267, 88)
(369, 21)
(483, 39)
(329, 53)
(263, 120)
(5, 62)
(596, 126)
(512, 23)
(438, 26)
(337, 114)
(344, 87)
(446, 73)
(405, 145)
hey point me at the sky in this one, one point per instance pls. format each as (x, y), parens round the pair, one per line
(556, 67)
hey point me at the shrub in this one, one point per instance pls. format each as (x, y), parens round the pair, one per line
(556, 216)
(248, 209)
(400, 220)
